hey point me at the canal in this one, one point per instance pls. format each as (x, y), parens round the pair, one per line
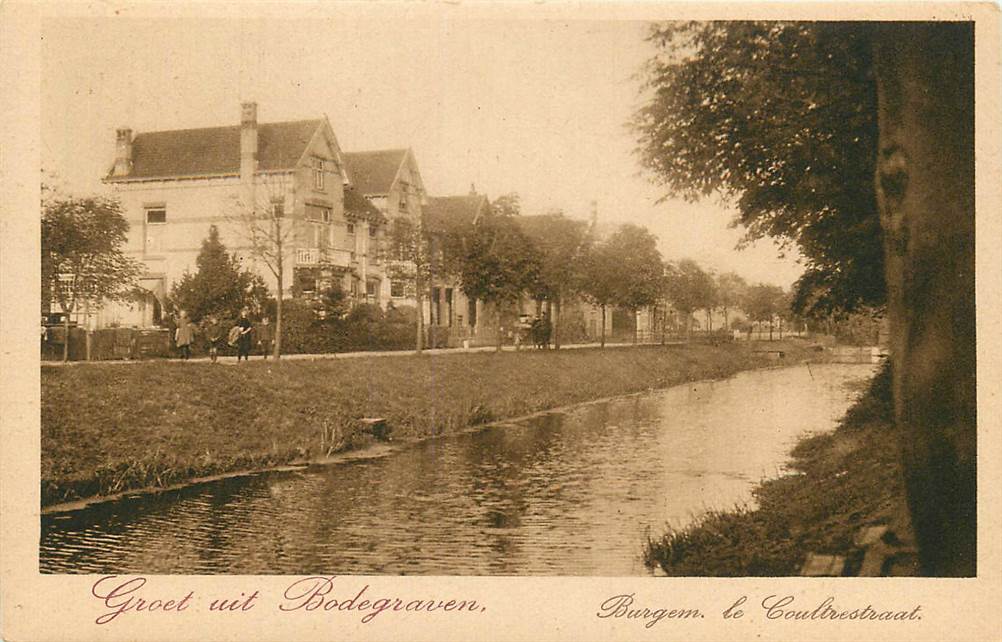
(571, 492)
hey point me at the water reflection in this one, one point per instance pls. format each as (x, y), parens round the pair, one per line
(568, 493)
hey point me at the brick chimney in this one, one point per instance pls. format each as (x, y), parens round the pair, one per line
(248, 141)
(123, 152)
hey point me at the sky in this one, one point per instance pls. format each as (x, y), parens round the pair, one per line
(533, 106)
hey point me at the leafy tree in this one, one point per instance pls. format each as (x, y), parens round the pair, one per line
(601, 279)
(332, 304)
(640, 268)
(259, 216)
(731, 289)
(499, 264)
(690, 288)
(507, 205)
(624, 270)
(82, 256)
(781, 117)
(412, 253)
(560, 244)
(763, 303)
(219, 286)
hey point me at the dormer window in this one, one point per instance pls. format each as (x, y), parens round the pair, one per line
(372, 232)
(318, 173)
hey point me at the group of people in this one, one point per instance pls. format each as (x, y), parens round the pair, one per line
(536, 329)
(243, 335)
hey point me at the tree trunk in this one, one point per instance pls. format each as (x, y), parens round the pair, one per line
(280, 277)
(636, 327)
(277, 348)
(66, 335)
(602, 340)
(727, 323)
(925, 192)
(419, 320)
(555, 320)
(497, 308)
(770, 329)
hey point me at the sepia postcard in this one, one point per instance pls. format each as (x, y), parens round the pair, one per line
(500, 321)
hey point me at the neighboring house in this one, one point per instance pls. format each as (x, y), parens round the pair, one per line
(175, 184)
(579, 319)
(389, 179)
(448, 304)
(468, 318)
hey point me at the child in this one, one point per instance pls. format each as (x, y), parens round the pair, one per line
(243, 338)
(184, 334)
(264, 336)
(213, 335)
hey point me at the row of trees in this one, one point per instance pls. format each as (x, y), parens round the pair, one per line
(552, 258)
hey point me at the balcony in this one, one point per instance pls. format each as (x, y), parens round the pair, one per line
(307, 256)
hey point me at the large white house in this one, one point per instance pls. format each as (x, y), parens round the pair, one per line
(174, 185)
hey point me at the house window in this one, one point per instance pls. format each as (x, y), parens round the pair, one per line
(318, 213)
(351, 228)
(402, 205)
(306, 281)
(370, 288)
(372, 232)
(156, 222)
(278, 209)
(318, 174)
(396, 288)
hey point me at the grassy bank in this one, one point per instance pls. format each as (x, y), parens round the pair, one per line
(842, 481)
(111, 428)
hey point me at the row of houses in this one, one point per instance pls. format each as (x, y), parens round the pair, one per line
(173, 185)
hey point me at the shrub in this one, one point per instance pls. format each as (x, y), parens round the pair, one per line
(404, 314)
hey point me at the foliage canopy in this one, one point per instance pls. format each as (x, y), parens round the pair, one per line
(219, 286)
(82, 251)
(781, 118)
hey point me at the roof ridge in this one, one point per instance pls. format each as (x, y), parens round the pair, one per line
(381, 151)
(237, 126)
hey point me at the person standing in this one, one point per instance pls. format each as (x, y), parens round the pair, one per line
(213, 335)
(264, 336)
(184, 334)
(244, 338)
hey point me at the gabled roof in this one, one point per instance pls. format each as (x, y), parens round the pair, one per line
(357, 206)
(373, 173)
(216, 150)
(447, 213)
